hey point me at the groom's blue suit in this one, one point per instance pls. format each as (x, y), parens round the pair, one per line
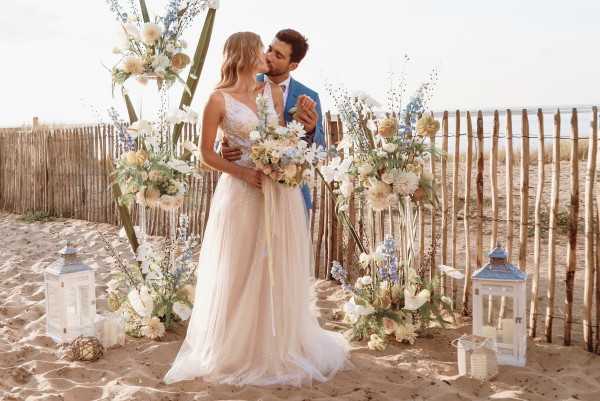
(296, 90)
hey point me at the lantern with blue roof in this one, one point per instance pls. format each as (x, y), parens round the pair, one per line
(499, 307)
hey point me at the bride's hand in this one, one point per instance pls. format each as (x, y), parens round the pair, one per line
(253, 177)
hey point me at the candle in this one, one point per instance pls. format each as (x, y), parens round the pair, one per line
(489, 332)
(508, 329)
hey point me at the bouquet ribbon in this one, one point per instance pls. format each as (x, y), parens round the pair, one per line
(269, 193)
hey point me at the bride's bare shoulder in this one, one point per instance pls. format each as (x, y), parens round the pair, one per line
(216, 99)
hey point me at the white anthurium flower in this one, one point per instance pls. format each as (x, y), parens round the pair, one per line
(354, 311)
(365, 280)
(180, 166)
(346, 143)
(389, 147)
(141, 301)
(371, 125)
(182, 310)
(342, 169)
(447, 300)
(414, 302)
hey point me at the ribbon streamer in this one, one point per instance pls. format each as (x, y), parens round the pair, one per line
(268, 190)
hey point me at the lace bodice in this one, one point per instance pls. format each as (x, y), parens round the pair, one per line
(240, 120)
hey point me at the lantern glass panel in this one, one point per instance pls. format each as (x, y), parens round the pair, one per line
(499, 318)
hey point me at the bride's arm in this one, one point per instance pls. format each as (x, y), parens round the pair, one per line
(214, 111)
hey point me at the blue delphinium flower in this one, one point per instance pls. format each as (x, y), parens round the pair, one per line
(338, 272)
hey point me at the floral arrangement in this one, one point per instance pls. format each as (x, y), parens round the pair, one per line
(390, 300)
(153, 294)
(280, 152)
(154, 49)
(383, 157)
(152, 175)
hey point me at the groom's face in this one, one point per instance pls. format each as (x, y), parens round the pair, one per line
(279, 56)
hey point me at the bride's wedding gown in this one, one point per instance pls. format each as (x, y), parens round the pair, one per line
(246, 327)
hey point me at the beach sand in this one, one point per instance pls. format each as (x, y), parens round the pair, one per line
(30, 369)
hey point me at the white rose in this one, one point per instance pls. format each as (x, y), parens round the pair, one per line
(254, 135)
(161, 63)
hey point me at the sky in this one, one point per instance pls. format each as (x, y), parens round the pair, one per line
(509, 53)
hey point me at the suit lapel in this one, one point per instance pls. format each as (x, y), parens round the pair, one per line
(291, 99)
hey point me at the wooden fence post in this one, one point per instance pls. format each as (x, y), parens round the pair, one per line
(589, 237)
(467, 218)
(552, 229)
(537, 236)
(444, 169)
(573, 216)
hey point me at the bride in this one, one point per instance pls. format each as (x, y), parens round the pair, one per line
(246, 326)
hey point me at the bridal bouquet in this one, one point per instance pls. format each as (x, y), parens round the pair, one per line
(155, 293)
(280, 152)
(390, 300)
(389, 152)
(152, 175)
(154, 49)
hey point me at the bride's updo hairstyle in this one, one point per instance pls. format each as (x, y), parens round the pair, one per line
(240, 54)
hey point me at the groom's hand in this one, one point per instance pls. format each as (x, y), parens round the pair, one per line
(308, 118)
(307, 114)
(230, 153)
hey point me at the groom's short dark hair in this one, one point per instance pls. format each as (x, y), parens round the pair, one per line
(298, 42)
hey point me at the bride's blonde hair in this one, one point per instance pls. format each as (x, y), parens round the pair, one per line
(240, 54)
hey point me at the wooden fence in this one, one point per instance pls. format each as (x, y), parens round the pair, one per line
(66, 172)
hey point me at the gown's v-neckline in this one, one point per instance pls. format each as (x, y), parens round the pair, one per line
(243, 104)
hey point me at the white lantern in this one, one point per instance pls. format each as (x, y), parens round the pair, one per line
(499, 307)
(70, 297)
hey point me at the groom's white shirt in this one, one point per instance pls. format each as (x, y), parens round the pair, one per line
(286, 83)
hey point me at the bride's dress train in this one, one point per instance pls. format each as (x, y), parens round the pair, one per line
(242, 329)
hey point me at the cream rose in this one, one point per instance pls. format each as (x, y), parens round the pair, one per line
(387, 127)
(427, 125)
(151, 33)
(132, 65)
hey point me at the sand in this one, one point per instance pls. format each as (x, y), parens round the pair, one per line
(30, 368)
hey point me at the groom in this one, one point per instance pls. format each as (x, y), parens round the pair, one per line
(283, 56)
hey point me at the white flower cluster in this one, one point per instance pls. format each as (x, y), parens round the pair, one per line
(280, 152)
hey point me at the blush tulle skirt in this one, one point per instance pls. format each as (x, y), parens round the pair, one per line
(254, 322)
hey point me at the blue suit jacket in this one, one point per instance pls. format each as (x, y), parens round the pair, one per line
(296, 90)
